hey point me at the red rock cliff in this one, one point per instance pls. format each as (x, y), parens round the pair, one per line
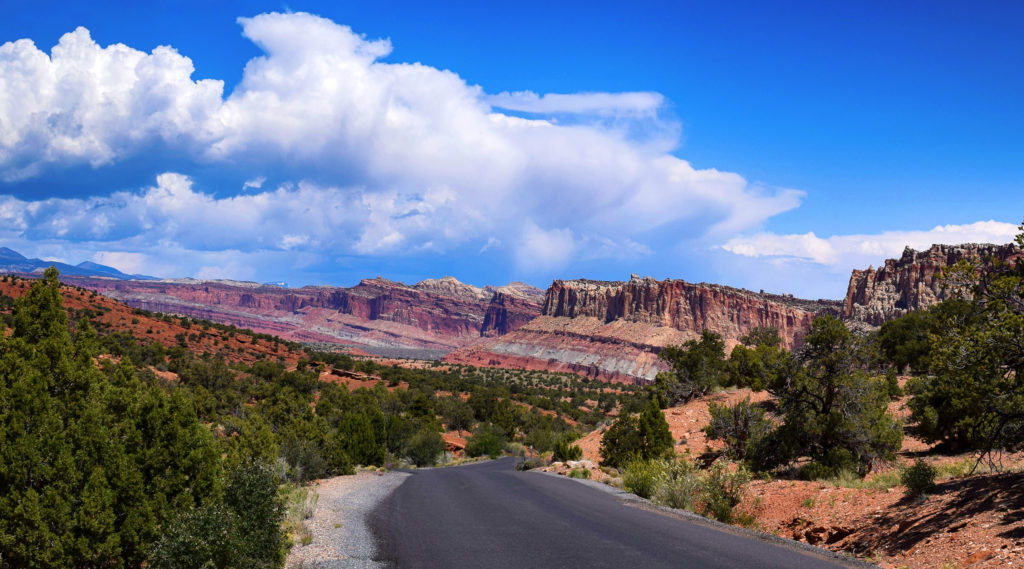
(912, 282)
(685, 306)
(436, 314)
(614, 330)
(511, 307)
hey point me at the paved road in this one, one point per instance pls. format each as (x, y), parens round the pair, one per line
(487, 515)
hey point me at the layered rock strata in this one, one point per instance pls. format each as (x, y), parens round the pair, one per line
(615, 330)
(914, 281)
(436, 315)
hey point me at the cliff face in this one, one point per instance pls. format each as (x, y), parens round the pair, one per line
(438, 315)
(511, 307)
(913, 281)
(684, 306)
(614, 330)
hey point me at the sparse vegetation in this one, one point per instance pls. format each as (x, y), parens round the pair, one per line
(919, 479)
(721, 489)
(582, 473)
(221, 434)
(300, 504)
(640, 476)
(743, 427)
(678, 483)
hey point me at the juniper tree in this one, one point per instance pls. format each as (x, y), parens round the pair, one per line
(974, 397)
(832, 411)
(698, 367)
(645, 436)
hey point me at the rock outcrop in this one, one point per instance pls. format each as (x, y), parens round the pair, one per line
(510, 308)
(615, 330)
(912, 282)
(429, 318)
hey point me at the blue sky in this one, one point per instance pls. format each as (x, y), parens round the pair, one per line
(768, 146)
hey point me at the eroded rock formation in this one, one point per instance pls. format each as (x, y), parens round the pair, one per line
(912, 282)
(609, 330)
(436, 315)
(614, 330)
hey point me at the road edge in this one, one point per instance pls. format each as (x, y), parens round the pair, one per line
(635, 501)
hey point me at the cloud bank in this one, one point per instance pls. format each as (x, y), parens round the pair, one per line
(857, 251)
(374, 158)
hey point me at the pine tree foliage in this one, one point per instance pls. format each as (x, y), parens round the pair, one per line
(94, 464)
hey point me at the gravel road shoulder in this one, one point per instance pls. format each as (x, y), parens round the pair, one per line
(341, 535)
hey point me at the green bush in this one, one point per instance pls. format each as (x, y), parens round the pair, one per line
(514, 448)
(836, 463)
(252, 494)
(542, 440)
(565, 451)
(304, 459)
(832, 411)
(904, 342)
(698, 367)
(721, 489)
(973, 397)
(486, 439)
(816, 471)
(892, 385)
(582, 473)
(529, 464)
(641, 476)
(242, 532)
(919, 479)
(199, 539)
(677, 485)
(645, 437)
(424, 447)
(95, 463)
(742, 427)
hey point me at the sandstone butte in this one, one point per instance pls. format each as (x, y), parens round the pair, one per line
(427, 319)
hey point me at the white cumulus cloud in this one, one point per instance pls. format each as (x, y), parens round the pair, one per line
(83, 103)
(407, 158)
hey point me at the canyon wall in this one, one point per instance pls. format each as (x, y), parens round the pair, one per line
(607, 330)
(614, 330)
(912, 282)
(434, 315)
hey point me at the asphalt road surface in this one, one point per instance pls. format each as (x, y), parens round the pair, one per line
(487, 515)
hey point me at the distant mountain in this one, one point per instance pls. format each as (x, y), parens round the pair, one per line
(12, 261)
